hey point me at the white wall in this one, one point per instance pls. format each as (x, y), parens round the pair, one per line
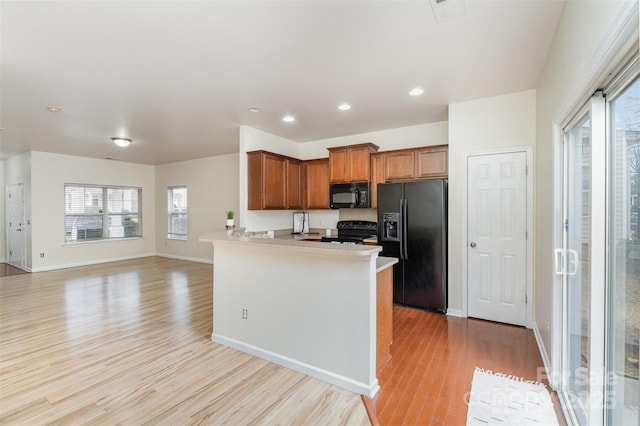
(18, 170)
(583, 29)
(476, 126)
(212, 189)
(403, 137)
(3, 223)
(49, 174)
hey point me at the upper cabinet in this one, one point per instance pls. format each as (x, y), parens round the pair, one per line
(275, 181)
(316, 180)
(417, 163)
(432, 162)
(377, 176)
(351, 163)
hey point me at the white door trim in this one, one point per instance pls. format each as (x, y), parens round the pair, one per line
(528, 150)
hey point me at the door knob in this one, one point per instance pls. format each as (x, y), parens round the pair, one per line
(472, 245)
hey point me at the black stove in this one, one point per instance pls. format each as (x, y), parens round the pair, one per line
(353, 232)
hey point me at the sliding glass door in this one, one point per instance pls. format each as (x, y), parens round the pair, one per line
(577, 226)
(624, 258)
(600, 257)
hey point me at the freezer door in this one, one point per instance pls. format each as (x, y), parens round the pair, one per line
(425, 264)
(390, 196)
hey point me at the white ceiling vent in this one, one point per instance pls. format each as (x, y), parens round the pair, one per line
(449, 9)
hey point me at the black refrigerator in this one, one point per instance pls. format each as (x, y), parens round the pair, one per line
(412, 226)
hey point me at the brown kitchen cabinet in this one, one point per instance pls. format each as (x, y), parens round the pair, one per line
(274, 181)
(377, 176)
(417, 163)
(295, 184)
(351, 163)
(316, 180)
(384, 316)
(400, 164)
(432, 162)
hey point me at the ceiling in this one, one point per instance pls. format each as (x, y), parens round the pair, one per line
(178, 77)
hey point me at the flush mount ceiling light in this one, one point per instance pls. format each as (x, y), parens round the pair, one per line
(344, 106)
(121, 142)
(254, 109)
(288, 119)
(416, 91)
(54, 108)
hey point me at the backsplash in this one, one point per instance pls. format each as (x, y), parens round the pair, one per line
(370, 215)
(272, 220)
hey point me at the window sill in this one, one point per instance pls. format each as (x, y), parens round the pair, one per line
(111, 240)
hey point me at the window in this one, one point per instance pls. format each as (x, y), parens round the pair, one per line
(101, 212)
(177, 206)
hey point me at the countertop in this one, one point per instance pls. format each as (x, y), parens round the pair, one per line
(383, 263)
(308, 243)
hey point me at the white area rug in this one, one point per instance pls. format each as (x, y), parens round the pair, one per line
(498, 399)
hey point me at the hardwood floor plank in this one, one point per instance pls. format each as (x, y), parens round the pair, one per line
(129, 343)
(432, 365)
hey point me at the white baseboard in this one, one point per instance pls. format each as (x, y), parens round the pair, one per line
(455, 313)
(544, 355)
(90, 262)
(190, 259)
(327, 376)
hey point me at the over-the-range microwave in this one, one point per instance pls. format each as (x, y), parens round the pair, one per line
(350, 195)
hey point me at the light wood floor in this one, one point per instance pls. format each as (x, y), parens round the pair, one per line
(129, 343)
(6, 270)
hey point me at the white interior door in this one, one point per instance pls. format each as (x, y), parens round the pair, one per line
(16, 243)
(497, 237)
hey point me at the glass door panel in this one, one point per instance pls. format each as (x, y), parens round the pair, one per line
(623, 325)
(578, 297)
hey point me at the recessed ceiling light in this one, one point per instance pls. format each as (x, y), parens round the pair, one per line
(121, 142)
(288, 119)
(254, 109)
(344, 106)
(416, 91)
(54, 108)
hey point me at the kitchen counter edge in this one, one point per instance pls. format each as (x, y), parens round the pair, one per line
(292, 244)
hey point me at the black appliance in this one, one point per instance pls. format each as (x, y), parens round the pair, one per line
(353, 232)
(412, 226)
(350, 195)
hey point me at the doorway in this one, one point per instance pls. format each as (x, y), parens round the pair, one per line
(16, 234)
(497, 251)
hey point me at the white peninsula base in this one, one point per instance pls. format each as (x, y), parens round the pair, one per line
(308, 306)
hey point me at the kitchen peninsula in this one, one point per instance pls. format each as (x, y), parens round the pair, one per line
(306, 305)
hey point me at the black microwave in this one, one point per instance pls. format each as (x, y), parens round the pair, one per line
(350, 195)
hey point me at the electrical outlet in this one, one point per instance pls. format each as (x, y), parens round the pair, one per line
(245, 314)
(41, 254)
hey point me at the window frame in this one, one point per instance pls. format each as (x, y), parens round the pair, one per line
(170, 214)
(104, 213)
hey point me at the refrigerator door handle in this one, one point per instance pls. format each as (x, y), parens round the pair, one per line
(405, 227)
(400, 229)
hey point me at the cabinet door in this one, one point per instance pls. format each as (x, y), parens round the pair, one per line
(400, 165)
(294, 184)
(317, 184)
(338, 165)
(377, 176)
(432, 162)
(275, 182)
(358, 164)
(384, 315)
